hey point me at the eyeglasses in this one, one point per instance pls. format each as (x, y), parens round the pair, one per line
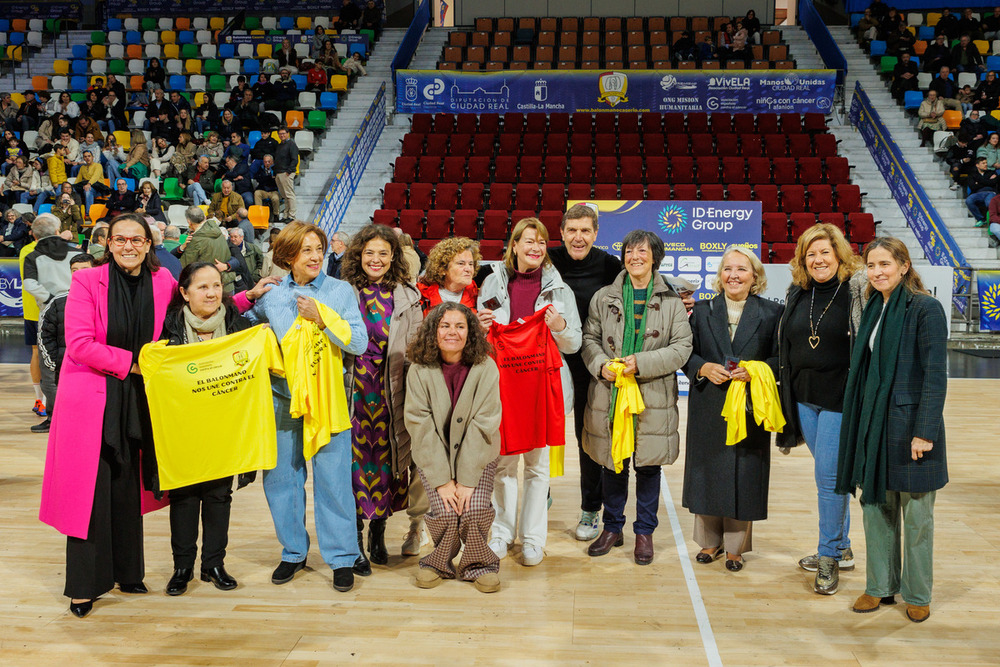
(136, 241)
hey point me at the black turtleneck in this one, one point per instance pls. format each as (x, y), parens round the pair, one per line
(819, 375)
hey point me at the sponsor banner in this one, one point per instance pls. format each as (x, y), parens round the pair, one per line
(348, 175)
(10, 288)
(295, 39)
(989, 300)
(42, 9)
(923, 219)
(754, 91)
(694, 233)
(219, 7)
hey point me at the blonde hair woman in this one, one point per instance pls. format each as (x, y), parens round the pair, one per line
(137, 163)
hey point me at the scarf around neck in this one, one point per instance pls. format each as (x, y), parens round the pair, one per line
(633, 338)
(194, 325)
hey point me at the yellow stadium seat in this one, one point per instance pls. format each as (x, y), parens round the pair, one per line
(98, 52)
(124, 139)
(168, 37)
(933, 18)
(338, 82)
(171, 52)
(199, 99)
(217, 23)
(264, 50)
(192, 66)
(60, 67)
(97, 211)
(303, 23)
(259, 216)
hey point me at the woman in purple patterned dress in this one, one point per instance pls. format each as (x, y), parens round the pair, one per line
(390, 306)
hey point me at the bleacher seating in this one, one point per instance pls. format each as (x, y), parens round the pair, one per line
(474, 175)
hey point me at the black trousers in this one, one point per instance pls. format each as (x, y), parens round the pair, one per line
(112, 551)
(590, 472)
(211, 501)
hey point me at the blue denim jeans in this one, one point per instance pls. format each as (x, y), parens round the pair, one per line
(647, 498)
(821, 429)
(333, 495)
(978, 203)
(197, 194)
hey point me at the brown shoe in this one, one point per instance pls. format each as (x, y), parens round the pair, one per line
(867, 603)
(918, 613)
(604, 542)
(643, 549)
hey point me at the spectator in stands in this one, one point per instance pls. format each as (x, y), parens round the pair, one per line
(262, 89)
(90, 180)
(684, 49)
(901, 41)
(90, 143)
(354, 67)
(946, 88)
(67, 106)
(329, 58)
(371, 18)
(55, 166)
(969, 25)
(167, 260)
(206, 115)
(706, 49)
(68, 215)
(991, 25)
(115, 86)
(235, 142)
(266, 186)
(991, 151)
(982, 188)
(171, 238)
(12, 149)
(960, 159)
(179, 101)
(159, 114)
(965, 96)
(238, 172)
(88, 126)
(239, 89)
(67, 189)
(752, 25)
(284, 93)
(227, 207)
(184, 122)
(160, 154)
(13, 234)
(904, 77)
(947, 25)
(8, 112)
(98, 241)
(212, 148)
(185, 154)
(206, 243)
(200, 180)
(115, 105)
(266, 145)
(92, 107)
(286, 160)
(113, 157)
(316, 79)
(43, 183)
(147, 202)
(250, 252)
(937, 55)
(122, 200)
(965, 57)
(993, 215)
(987, 93)
(21, 179)
(137, 163)
(287, 57)
(224, 126)
(338, 246)
(27, 113)
(154, 77)
(319, 36)
(72, 159)
(350, 15)
(247, 112)
(973, 127)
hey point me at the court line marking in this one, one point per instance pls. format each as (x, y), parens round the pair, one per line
(694, 592)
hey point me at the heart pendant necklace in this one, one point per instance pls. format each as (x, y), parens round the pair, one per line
(814, 328)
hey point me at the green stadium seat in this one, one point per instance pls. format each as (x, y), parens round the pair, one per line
(316, 120)
(217, 82)
(172, 189)
(212, 66)
(98, 37)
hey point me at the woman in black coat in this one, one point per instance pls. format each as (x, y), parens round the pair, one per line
(200, 312)
(726, 486)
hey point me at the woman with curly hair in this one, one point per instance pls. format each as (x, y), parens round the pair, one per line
(449, 276)
(390, 307)
(453, 413)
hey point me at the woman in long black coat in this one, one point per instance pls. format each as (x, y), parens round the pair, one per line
(726, 486)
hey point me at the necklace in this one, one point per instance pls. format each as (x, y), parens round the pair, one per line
(814, 328)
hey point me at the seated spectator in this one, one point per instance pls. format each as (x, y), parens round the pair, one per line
(147, 202)
(350, 15)
(72, 157)
(90, 180)
(284, 93)
(42, 185)
(21, 179)
(115, 86)
(113, 158)
(901, 41)
(66, 188)
(179, 101)
(228, 208)
(982, 183)
(183, 123)
(68, 214)
(991, 25)
(965, 97)
(92, 107)
(234, 142)
(8, 112)
(266, 186)
(98, 241)
(371, 18)
(212, 148)
(122, 200)
(973, 127)
(27, 113)
(97, 88)
(287, 57)
(206, 243)
(90, 143)
(684, 49)
(316, 79)
(937, 55)
(225, 126)
(200, 180)
(167, 259)
(993, 215)
(241, 87)
(116, 112)
(931, 114)
(67, 106)
(961, 160)
(238, 172)
(160, 154)
(88, 126)
(12, 148)
(706, 50)
(154, 77)
(354, 67)
(247, 111)
(319, 36)
(947, 25)
(329, 59)
(183, 157)
(246, 259)
(987, 93)
(265, 146)
(262, 89)
(206, 115)
(946, 88)
(904, 77)
(991, 151)
(171, 237)
(752, 25)
(13, 233)
(137, 163)
(159, 114)
(968, 25)
(53, 177)
(965, 57)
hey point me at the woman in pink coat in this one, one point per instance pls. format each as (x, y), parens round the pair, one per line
(100, 456)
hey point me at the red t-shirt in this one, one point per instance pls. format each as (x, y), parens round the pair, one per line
(530, 385)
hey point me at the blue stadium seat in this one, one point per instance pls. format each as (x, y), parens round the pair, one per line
(327, 101)
(253, 138)
(993, 63)
(286, 23)
(45, 208)
(877, 48)
(177, 82)
(185, 37)
(915, 60)
(4, 25)
(855, 19)
(227, 51)
(912, 99)
(357, 48)
(81, 51)
(133, 37)
(300, 81)
(925, 32)
(80, 66)
(251, 66)
(78, 83)
(16, 38)
(114, 24)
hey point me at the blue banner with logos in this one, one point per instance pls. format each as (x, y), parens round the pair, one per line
(220, 8)
(345, 180)
(989, 300)
(753, 91)
(921, 216)
(10, 288)
(694, 233)
(43, 9)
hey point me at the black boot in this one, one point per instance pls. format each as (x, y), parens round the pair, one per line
(376, 542)
(362, 566)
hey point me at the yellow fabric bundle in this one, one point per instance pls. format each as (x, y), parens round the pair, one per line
(557, 455)
(315, 372)
(628, 403)
(763, 394)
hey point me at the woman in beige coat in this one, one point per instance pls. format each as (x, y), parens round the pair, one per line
(641, 322)
(390, 306)
(453, 413)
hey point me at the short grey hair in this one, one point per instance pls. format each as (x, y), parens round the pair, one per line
(343, 237)
(194, 215)
(157, 236)
(226, 180)
(45, 225)
(236, 230)
(172, 232)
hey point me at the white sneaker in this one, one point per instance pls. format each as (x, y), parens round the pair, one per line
(499, 547)
(415, 538)
(954, 186)
(587, 529)
(531, 555)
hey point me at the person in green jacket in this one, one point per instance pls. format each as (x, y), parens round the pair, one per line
(206, 242)
(991, 151)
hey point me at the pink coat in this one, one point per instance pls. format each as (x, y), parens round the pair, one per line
(77, 423)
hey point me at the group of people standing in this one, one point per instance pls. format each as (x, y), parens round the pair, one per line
(861, 380)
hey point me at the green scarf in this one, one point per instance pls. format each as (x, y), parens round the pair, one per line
(863, 457)
(633, 339)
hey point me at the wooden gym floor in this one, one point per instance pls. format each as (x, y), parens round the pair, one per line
(571, 609)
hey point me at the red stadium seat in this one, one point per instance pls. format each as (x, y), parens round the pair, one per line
(421, 122)
(606, 191)
(467, 123)
(472, 196)
(559, 122)
(413, 144)
(412, 222)
(581, 144)
(682, 169)
(520, 214)
(495, 224)
(800, 223)
(782, 253)
(445, 197)
(420, 195)
(394, 196)
(697, 121)
(437, 144)
(501, 196)
(767, 195)
(582, 122)
(708, 169)
(739, 192)
(838, 170)
(633, 192)
(702, 144)
(861, 227)
(577, 191)
(657, 169)
(835, 219)
(530, 168)
(712, 192)
(604, 122)
(536, 121)
(765, 254)
(652, 122)
(629, 145)
(685, 191)
(774, 227)
(750, 145)
(767, 123)
(460, 144)
(483, 144)
(677, 145)
(405, 170)
(800, 145)
(466, 223)
(727, 145)
(628, 123)
(606, 169)
(444, 123)
(775, 145)
(552, 221)
(429, 169)
(758, 170)
(820, 198)
(581, 169)
(734, 170)
(810, 170)
(824, 145)
(743, 123)
(510, 144)
(478, 169)
(658, 192)
(814, 122)
(793, 198)
(387, 217)
(438, 224)
(653, 145)
(553, 196)
(606, 143)
(533, 144)
(630, 166)
(784, 170)
(557, 143)
(491, 250)
(453, 170)
(526, 196)
(506, 170)
(555, 168)
(848, 198)
(790, 123)
(489, 123)
(721, 122)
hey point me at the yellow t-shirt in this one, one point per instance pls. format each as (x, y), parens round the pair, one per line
(314, 369)
(57, 170)
(28, 303)
(210, 405)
